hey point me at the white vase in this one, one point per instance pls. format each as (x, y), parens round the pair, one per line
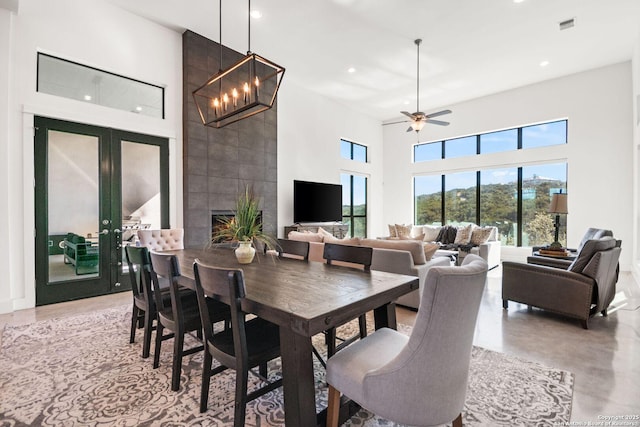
(245, 252)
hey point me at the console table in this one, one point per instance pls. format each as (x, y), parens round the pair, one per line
(338, 230)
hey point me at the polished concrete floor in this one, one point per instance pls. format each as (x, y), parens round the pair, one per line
(605, 359)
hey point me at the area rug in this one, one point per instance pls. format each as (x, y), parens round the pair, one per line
(82, 371)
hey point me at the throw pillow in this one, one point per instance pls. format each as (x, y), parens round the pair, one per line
(351, 241)
(430, 249)
(403, 231)
(324, 233)
(416, 230)
(447, 235)
(392, 231)
(304, 236)
(431, 232)
(481, 235)
(463, 235)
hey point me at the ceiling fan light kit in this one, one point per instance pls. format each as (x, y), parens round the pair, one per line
(248, 87)
(418, 119)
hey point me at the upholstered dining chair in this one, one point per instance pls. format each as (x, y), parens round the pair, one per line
(292, 249)
(353, 256)
(180, 316)
(144, 311)
(162, 240)
(420, 379)
(247, 344)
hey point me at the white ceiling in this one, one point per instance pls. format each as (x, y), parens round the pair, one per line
(470, 48)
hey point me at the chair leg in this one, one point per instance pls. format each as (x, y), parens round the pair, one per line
(262, 370)
(242, 376)
(156, 354)
(176, 371)
(458, 421)
(331, 342)
(362, 323)
(206, 380)
(333, 408)
(148, 326)
(134, 323)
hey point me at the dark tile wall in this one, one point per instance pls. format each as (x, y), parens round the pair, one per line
(218, 163)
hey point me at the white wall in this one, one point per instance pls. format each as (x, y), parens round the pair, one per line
(600, 152)
(94, 33)
(309, 131)
(636, 159)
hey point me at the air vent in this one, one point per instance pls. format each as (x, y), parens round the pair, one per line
(569, 23)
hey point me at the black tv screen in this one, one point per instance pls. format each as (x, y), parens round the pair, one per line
(316, 202)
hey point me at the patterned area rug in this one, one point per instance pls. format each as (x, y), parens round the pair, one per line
(82, 371)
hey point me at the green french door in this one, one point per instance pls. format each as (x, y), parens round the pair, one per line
(94, 188)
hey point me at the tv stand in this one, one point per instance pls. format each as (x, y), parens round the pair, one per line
(338, 229)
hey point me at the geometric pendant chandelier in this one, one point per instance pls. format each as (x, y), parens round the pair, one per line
(248, 87)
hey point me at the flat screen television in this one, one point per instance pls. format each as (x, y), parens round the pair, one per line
(316, 202)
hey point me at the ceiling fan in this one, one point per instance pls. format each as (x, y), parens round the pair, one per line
(418, 119)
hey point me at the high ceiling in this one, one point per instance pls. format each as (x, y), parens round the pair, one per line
(470, 48)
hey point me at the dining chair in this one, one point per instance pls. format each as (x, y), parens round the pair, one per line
(162, 240)
(353, 256)
(144, 311)
(247, 344)
(292, 249)
(420, 379)
(179, 317)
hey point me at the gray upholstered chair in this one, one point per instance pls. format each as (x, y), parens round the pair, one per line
(162, 240)
(590, 234)
(585, 288)
(421, 379)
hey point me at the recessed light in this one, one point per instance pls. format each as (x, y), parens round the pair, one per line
(87, 97)
(406, 102)
(351, 70)
(138, 108)
(544, 63)
(256, 14)
(518, 1)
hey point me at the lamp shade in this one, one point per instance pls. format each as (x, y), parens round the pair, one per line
(558, 204)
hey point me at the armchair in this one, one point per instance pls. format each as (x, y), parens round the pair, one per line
(591, 233)
(585, 288)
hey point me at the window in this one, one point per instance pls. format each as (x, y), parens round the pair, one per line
(352, 151)
(354, 203)
(541, 135)
(515, 200)
(75, 81)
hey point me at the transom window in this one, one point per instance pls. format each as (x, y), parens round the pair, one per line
(352, 151)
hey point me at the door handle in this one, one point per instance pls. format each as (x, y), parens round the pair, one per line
(104, 231)
(117, 231)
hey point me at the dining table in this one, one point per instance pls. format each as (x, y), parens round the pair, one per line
(304, 298)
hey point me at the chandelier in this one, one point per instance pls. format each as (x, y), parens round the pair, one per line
(246, 88)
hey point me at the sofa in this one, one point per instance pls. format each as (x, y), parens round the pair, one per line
(402, 257)
(453, 241)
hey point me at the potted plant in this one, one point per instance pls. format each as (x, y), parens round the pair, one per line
(245, 228)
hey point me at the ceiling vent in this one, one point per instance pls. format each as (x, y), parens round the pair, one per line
(569, 23)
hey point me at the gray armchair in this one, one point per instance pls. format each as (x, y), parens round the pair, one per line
(421, 379)
(585, 288)
(590, 234)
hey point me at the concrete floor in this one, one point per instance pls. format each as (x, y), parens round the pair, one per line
(605, 359)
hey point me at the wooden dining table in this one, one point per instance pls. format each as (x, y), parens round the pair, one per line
(304, 298)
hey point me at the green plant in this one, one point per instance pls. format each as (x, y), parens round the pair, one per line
(246, 224)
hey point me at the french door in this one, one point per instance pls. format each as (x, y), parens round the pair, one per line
(94, 187)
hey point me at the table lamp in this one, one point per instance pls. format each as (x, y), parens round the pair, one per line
(558, 206)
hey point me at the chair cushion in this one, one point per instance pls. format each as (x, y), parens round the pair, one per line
(413, 246)
(591, 247)
(348, 367)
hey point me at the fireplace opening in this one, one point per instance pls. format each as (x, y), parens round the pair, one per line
(217, 218)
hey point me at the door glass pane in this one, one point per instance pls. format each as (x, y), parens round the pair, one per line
(73, 206)
(460, 198)
(539, 183)
(140, 191)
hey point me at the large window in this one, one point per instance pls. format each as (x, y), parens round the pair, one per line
(541, 135)
(354, 203)
(352, 151)
(515, 200)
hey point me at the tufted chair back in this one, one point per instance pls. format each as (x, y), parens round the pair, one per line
(162, 240)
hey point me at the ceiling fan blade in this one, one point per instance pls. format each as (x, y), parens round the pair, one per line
(410, 129)
(408, 114)
(395, 123)
(438, 113)
(437, 122)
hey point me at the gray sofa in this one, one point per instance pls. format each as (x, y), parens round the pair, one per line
(402, 257)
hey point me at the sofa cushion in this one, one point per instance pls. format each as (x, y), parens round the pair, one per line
(324, 233)
(431, 232)
(403, 231)
(589, 249)
(392, 231)
(353, 241)
(304, 236)
(481, 235)
(414, 247)
(429, 250)
(463, 235)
